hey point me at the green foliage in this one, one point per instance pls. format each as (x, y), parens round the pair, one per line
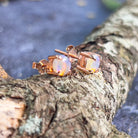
(31, 126)
(111, 4)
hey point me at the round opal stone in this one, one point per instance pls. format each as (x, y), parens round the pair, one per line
(61, 65)
(91, 64)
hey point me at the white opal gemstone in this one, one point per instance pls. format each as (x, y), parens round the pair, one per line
(91, 64)
(61, 65)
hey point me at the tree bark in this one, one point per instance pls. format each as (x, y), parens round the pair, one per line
(80, 105)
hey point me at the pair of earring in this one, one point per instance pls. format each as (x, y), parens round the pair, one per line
(60, 65)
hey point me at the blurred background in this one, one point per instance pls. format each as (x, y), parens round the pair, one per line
(30, 30)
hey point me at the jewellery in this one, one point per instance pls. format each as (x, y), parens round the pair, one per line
(60, 65)
(56, 65)
(87, 62)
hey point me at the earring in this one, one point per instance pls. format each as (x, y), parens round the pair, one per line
(56, 65)
(60, 65)
(87, 62)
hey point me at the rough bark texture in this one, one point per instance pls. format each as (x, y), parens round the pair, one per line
(81, 105)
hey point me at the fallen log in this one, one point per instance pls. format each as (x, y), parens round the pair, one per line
(79, 105)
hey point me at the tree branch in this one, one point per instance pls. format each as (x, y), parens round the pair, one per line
(81, 105)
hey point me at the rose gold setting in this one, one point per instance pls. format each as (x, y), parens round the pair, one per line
(45, 66)
(81, 58)
(86, 62)
(82, 61)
